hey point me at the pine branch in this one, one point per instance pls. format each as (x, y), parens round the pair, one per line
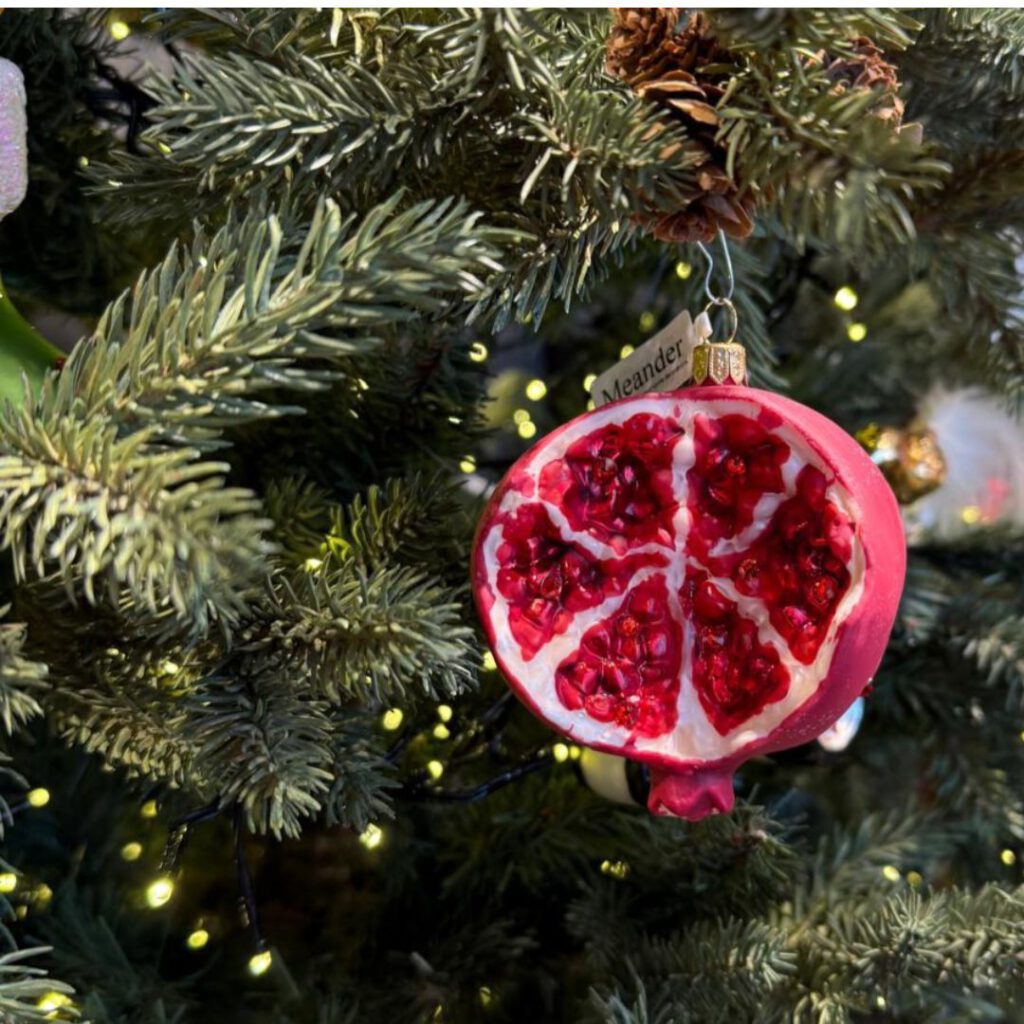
(368, 635)
(23, 681)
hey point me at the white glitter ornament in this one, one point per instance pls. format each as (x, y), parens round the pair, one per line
(13, 138)
(983, 448)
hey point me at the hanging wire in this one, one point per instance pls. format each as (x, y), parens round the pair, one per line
(721, 301)
(729, 276)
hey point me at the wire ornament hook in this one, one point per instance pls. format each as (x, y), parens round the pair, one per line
(721, 301)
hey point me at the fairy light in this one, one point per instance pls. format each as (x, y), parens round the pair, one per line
(970, 514)
(521, 416)
(626, 350)
(588, 381)
(8, 881)
(51, 1003)
(478, 351)
(647, 320)
(42, 894)
(490, 665)
(485, 995)
(159, 892)
(683, 270)
(372, 836)
(21, 911)
(197, 939)
(442, 732)
(312, 564)
(444, 712)
(38, 797)
(591, 405)
(857, 332)
(120, 30)
(846, 298)
(435, 769)
(914, 879)
(560, 752)
(131, 851)
(468, 464)
(83, 161)
(259, 963)
(615, 868)
(891, 873)
(1008, 857)
(149, 809)
(536, 390)
(170, 668)
(527, 430)
(392, 719)
(574, 752)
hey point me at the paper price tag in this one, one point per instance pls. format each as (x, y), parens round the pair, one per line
(662, 363)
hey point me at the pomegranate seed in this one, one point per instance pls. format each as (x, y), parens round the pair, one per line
(736, 466)
(710, 603)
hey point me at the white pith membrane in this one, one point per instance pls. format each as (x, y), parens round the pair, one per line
(693, 737)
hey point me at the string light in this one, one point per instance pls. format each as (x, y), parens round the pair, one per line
(626, 350)
(468, 464)
(485, 995)
(588, 381)
(197, 939)
(1008, 857)
(159, 891)
(478, 351)
(683, 270)
(259, 963)
(527, 430)
(444, 712)
(647, 320)
(42, 894)
(846, 298)
(914, 879)
(170, 668)
(857, 332)
(891, 873)
(392, 719)
(131, 851)
(521, 416)
(490, 665)
(970, 514)
(591, 405)
(51, 1003)
(435, 769)
(120, 30)
(441, 732)
(536, 390)
(575, 752)
(560, 752)
(38, 797)
(372, 836)
(312, 564)
(83, 161)
(615, 868)
(8, 881)
(149, 809)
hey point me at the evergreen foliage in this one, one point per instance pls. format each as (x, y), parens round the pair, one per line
(236, 531)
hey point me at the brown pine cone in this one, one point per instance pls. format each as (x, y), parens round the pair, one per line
(867, 68)
(673, 66)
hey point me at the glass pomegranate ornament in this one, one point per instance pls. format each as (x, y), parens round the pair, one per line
(691, 578)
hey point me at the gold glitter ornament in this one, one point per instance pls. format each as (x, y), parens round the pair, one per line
(910, 459)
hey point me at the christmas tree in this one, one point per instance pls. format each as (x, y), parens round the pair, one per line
(332, 272)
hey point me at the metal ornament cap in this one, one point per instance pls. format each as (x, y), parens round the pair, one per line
(720, 363)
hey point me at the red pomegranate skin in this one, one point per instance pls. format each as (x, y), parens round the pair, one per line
(801, 598)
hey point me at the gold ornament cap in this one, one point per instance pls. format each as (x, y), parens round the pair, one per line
(720, 362)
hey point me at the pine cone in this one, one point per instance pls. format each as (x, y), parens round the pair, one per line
(667, 65)
(867, 68)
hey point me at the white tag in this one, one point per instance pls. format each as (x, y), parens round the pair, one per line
(662, 363)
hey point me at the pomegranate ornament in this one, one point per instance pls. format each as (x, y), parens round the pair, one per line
(691, 578)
